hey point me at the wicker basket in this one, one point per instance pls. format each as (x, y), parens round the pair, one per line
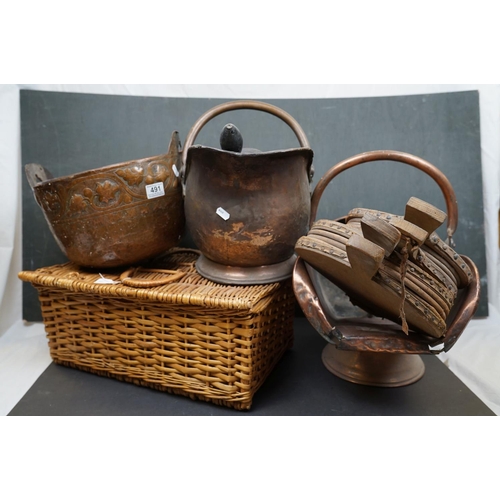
(192, 337)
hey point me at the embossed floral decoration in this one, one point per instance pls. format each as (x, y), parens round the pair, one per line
(78, 203)
(106, 191)
(133, 176)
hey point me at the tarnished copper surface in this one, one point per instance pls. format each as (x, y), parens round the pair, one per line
(363, 334)
(375, 369)
(236, 275)
(103, 218)
(309, 302)
(267, 198)
(247, 209)
(378, 335)
(466, 307)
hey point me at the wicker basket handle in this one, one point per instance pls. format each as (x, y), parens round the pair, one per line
(128, 277)
(388, 155)
(242, 104)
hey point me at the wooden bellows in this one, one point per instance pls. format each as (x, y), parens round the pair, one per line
(392, 266)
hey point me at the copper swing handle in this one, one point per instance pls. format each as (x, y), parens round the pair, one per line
(388, 155)
(242, 104)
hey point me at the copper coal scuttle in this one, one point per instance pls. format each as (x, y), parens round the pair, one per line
(411, 292)
(252, 217)
(246, 208)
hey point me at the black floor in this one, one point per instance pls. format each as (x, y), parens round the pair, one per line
(299, 385)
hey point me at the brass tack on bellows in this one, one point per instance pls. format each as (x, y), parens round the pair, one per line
(393, 266)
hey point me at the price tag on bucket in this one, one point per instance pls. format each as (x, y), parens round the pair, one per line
(222, 213)
(155, 190)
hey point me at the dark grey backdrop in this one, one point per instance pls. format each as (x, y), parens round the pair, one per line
(69, 133)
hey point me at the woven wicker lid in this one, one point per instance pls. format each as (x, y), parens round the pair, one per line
(189, 289)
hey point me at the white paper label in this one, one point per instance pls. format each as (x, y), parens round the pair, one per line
(438, 347)
(222, 213)
(174, 169)
(105, 281)
(155, 190)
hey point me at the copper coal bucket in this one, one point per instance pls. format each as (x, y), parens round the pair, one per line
(245, 210)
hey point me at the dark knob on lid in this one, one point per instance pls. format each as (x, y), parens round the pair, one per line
(231, 139)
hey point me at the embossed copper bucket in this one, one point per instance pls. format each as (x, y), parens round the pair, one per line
(116, 215)
(246, 210)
